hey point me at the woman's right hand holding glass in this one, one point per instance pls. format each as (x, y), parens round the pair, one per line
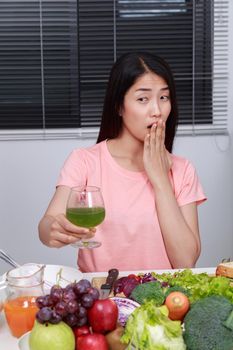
(63, 232)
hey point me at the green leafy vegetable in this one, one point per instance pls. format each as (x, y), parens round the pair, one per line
(208, 324)
(147, 291)
(149, 328)
(229, 321)
(198, 285)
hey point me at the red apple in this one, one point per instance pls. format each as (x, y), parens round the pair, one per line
(93, 341)
(79, 331)
(103, 315)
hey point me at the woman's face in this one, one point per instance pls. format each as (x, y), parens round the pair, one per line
(147, 101)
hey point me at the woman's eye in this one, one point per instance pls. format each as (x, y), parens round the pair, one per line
(142, 99)
(165, 98)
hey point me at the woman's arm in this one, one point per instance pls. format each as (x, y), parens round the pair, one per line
(179, 225)
(54, 229)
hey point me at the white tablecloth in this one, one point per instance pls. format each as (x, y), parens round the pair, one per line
(8, 342)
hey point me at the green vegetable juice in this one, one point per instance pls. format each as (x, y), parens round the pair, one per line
(86, 217)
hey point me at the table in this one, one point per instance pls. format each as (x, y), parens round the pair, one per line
(8, 342)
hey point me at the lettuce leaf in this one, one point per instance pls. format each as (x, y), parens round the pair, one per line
(149, 328)
(199, 285)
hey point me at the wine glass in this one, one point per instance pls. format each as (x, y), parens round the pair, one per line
(85, 208)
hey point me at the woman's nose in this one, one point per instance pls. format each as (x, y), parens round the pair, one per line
(155, 110)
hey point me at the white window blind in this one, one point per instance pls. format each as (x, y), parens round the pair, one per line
(218, 76)
(55, 57)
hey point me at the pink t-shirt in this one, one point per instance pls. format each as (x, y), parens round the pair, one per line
(130, 233)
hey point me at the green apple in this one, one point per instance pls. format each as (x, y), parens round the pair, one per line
(49, 336)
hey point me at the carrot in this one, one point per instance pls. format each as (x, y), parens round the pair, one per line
(178, 305)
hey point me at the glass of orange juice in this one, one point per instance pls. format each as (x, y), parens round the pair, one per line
(24, 284)
(2, 292)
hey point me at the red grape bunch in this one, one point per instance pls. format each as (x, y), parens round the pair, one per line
(67, 304)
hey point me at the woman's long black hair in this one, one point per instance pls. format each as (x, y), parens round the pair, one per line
(124, 73)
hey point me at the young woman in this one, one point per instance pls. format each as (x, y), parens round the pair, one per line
(150, 195)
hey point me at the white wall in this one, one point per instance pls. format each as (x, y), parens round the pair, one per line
(29, 170)
(215, 170)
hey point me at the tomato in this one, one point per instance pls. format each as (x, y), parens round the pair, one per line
(178, 305)
(103, 315)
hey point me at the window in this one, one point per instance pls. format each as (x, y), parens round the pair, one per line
(55, 57)
(39, 64)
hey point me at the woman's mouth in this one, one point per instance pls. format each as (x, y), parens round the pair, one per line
(150, 125)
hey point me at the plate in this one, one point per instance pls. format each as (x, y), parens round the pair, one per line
(68, 274)
(125, 307)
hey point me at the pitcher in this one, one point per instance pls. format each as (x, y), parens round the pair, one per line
(24, 284)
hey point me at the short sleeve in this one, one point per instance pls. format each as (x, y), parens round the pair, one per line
(73, 172)
(190, 189)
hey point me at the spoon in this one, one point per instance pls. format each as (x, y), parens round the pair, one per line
(8, 259)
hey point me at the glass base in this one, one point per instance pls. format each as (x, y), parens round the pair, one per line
(86, 244)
